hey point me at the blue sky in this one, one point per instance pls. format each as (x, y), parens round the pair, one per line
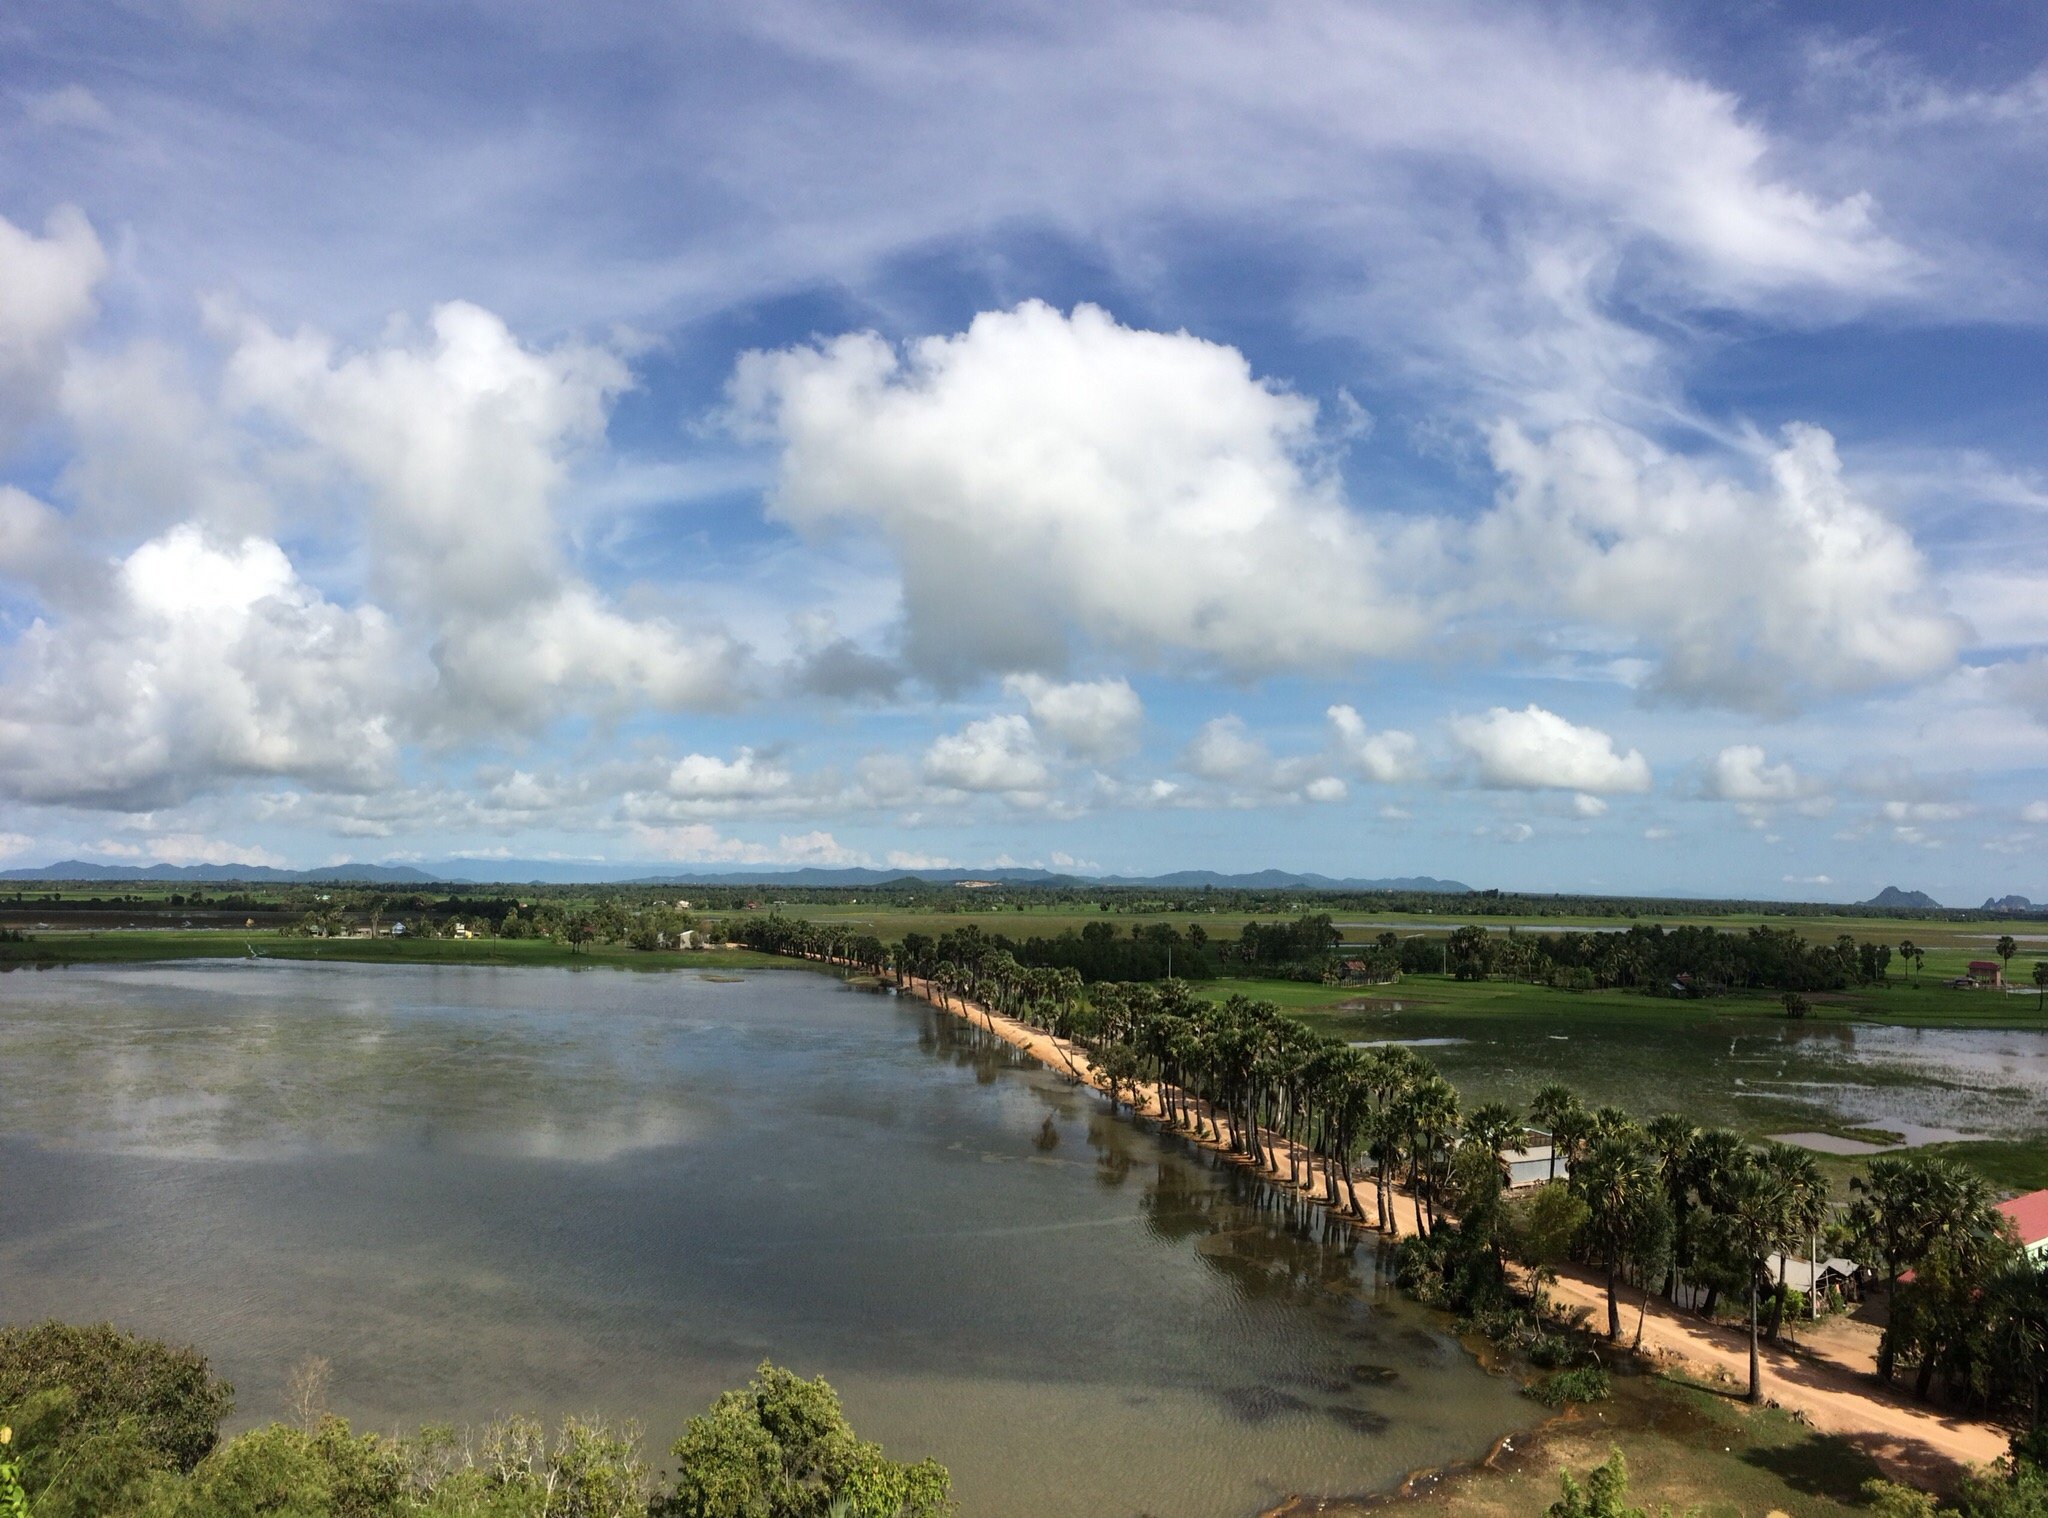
(1560, 448)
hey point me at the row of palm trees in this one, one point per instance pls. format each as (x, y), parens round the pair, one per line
(1695, 1214)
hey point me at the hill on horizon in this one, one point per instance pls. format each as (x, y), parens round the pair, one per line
(1892, 896)
(551, 872)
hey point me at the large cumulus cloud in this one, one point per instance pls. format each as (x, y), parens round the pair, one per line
(1042, 471)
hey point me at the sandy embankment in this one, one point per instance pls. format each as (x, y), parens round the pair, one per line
(1834, 1391)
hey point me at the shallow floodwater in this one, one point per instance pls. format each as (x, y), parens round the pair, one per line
(480, 1191)
(1762, 1075)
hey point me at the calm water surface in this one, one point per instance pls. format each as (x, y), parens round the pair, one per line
(486, 1190)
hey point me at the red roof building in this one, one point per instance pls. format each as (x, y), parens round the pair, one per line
(2029, 1215)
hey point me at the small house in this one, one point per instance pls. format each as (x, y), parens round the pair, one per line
(1986, 972)
(1804, 1276)
(1531, 1165)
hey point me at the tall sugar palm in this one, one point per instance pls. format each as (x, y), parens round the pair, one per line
(1619, 1182)
(1432, 1112)
(1553, 1108)
(2017, 1341)
(1752, 1218)
(1671, 1138)
(1806, 1211)
(1496, 1128)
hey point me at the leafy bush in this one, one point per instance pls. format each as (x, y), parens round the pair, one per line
(112, 1445)
(1602, 1495)
(1548, 1351)
(783, 1449)
(1586, 1383)
(167, 1396)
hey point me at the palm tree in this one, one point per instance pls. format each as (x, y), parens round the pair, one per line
(2007, 947)
(1907, 949)
(2018, 1340)
(1618, 1179)
(1751, 1216)
(1553, 1109)
(1496, 1127)
(1671, 1139)
(2041, 980)
(1806, 1209)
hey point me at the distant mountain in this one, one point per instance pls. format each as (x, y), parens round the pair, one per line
(1282, 880)
(78, 869)
(2009, 904)
(592, 872)
(811, 875)
(1892, 896)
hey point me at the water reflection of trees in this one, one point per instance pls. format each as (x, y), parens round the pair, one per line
(967, 1047)
(1269, 1245)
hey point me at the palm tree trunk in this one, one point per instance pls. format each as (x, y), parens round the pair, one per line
(1613, 1305)
(1756, 1373)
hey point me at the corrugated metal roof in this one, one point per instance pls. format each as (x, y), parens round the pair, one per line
(2029, 1216)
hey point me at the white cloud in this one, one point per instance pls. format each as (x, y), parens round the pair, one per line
(70, 105)
(462, 440)
(15, 843)
(1020, 469)
(1097, 719)
(1223, 751)
(1389, 757)
(2025, 682)
(205, 661)
(46, 293)
(1588, 807)
(997, 755)
(184, 848)
(31, 534)
(2034, 811)
(746, 776)
(1925, 811)
(1225, 754)
(1740, 773)
(1534, 749)
(904, 859)
(1757, 598)
(701, 843)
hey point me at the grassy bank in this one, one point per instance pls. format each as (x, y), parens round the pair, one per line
(1692, 1449)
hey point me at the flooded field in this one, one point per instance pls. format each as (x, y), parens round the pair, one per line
(486, 1190)
(1760, 1075)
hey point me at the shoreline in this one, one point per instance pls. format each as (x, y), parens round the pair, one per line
(1832, 1395)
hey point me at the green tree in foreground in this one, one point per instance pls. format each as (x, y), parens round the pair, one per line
(783, 1449)
(2041, 981)
(105, 1425)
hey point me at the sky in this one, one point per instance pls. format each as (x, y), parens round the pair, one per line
(1562, 448)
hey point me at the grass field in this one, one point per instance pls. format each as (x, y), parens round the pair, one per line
(1343, 1010)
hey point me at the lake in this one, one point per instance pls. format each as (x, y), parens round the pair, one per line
(480, 1191)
